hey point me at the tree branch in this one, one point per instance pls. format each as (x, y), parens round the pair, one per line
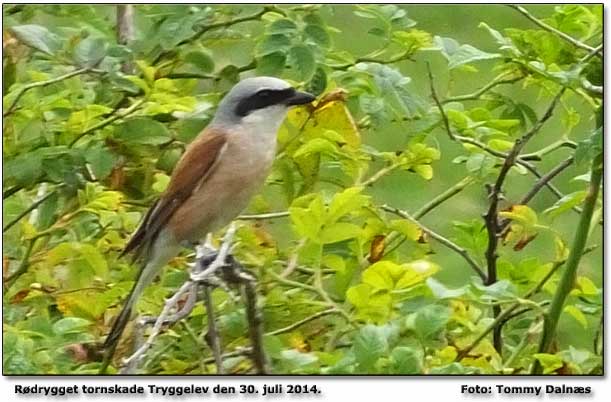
(108, 121)
(491, 217)
(29, 209)
(555, 31)
(125, 31)
(545, 179)
(448, 243)
(443, 197)
(507, 312)
(37, 84)
(269, 215)
(500, 80)
(306, 320)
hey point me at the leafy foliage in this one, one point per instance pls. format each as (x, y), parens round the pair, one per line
(93, 129)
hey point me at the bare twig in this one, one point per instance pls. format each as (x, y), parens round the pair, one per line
(379, 174)
(491, 216)
(443, 197)
(545, 179)
(425, 209)
(500, 80)
(446, 242)
(258, 217)
(555, 31)
(302, 322)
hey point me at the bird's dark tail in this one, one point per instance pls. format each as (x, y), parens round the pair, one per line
(113, 337)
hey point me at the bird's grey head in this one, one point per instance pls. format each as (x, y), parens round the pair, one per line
(259, 99)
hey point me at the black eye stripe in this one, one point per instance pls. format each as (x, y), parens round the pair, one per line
(262, 99)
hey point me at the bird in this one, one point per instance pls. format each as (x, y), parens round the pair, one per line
(211, 184)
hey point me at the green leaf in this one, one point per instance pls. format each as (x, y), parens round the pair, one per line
(339, 231)
(406, 360)
(297, 358)
(272, 44)
(453, 369)
(142, 130)
(318, 83)
(90, 51)
(302, 60)
(500, 290)
(37, 37)
(282, 26)
(161, 182)
(430, 321)
(317, 34)
(566, 203)
(549, 362)
(440, 291)
(201, 59)
(316, 146)
(369, 345)
(101, 160)
(458, 55)
(271, 64)
(345, 202)
(589, 148)
(577, 315)
(70, 325)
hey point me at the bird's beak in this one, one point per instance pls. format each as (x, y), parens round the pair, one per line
(300, 98)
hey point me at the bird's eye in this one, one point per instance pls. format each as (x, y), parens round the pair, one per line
(265, 93)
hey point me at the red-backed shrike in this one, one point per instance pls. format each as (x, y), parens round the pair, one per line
(213, 181)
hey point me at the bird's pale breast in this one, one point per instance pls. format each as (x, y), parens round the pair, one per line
(240, 173)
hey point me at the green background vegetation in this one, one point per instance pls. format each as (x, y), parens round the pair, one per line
(90, 152)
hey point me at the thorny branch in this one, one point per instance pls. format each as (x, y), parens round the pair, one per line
(491, 218)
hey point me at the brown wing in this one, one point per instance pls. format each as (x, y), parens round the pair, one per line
(191, 171)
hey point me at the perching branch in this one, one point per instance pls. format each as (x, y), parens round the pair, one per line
(188, 287)
(555, 31)
(567, 280)
(446, 242)
(213, 338)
